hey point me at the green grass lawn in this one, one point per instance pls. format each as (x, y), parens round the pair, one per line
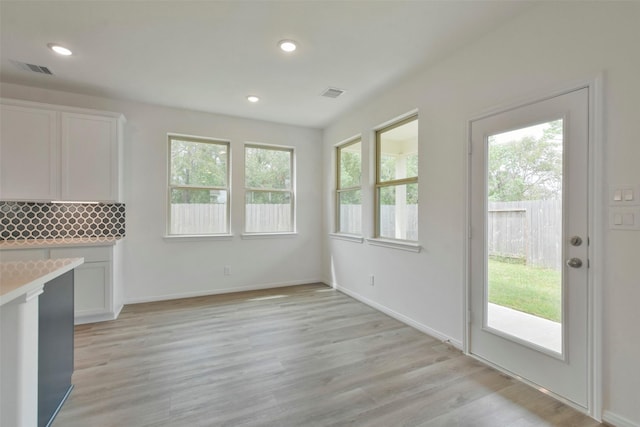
(532, 290)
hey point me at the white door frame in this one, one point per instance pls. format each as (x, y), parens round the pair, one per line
(595, 196)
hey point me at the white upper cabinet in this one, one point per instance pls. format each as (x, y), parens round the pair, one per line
(29, 153)
(89, 157)
(50, 152)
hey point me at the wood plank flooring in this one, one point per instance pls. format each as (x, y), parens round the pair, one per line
(298, 356)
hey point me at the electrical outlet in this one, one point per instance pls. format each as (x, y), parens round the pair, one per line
(227, 270)
(372, 280)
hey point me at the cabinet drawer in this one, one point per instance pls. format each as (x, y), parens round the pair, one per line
(90, 254)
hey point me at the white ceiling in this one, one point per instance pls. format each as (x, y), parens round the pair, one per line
(209, 55)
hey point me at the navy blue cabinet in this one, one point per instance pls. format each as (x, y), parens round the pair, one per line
(55, 353)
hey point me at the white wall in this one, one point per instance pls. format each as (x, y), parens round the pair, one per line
(550, 46)
(157, 268)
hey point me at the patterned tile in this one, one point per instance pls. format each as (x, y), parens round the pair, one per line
(30, 220)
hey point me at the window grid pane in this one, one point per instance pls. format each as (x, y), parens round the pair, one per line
(350, 165)
(350, 212)
(198, 211)
(268, 168)
(397, 155)
(269, 199)
(268, 211)
(198, 186)
(200, 164)
(398, 212)
(397, 181)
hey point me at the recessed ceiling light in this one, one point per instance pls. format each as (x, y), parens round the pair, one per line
(253, 98)
(287, 45)
(60, 50)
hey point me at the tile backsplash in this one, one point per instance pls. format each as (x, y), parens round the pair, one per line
(33, 220)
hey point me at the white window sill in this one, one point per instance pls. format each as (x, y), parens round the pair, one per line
(193, 237)
(348, 237)
(283, 235)
(395, 244)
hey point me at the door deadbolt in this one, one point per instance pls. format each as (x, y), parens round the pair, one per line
(574, 263)
(575, 241)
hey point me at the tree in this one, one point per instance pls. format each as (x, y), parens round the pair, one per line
(268, 169)
(350, 176)
(528, 168)
(198, 164)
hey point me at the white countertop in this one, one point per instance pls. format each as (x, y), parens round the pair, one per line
(21, 277)
(60, 242)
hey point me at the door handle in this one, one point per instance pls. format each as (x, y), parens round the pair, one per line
(574, 263)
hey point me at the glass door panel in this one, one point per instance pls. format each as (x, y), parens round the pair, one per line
(524, 266)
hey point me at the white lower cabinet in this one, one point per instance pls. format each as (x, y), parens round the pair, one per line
(93, 294)
(96, 296)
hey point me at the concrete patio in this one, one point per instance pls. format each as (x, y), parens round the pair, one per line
(542, 332)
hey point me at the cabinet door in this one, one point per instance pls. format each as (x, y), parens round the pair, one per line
(93, 290)
(29, 147)
(89, 158)
(92, 293)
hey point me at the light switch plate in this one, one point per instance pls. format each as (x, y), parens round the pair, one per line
(624, 195)
(624, 218)
(629, 195)
(617, 219)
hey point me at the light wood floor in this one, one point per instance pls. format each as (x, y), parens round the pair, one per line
(298, 356)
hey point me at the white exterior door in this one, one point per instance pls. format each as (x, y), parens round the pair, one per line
(529, 243)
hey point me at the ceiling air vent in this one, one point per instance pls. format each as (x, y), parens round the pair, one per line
(332, 92)
(40, 69)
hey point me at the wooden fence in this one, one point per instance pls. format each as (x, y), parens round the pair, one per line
(203, 218)
(268, 218)
(530, 231)
(351, 220)
(196, 218)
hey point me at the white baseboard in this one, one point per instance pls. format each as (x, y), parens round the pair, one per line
(97, 316)
(118, 310)
(400, 317)
(617, 420)
(93, 318)
(255, 287)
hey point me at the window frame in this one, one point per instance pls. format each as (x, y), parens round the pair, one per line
(200, 140)
(291, 191)
(379, 185)
(340, 189)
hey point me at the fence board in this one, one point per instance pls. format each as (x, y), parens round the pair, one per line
(351, 220)
(204, 218)
(529, 230)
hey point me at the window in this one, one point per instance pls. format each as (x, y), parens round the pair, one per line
(198, 186)
(348, 192)
(269, 189)
(397, 180)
